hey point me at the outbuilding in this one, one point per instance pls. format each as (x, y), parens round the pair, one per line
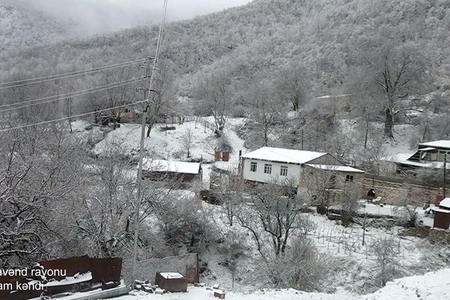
(165, 170)
(171, 282)
(442, 214)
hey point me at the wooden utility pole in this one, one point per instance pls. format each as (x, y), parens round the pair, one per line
(445, 174)
(141, 149)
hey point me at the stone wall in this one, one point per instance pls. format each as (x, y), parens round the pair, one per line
(395, 192)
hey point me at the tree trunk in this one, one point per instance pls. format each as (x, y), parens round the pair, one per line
(295, 102)
(389, 123)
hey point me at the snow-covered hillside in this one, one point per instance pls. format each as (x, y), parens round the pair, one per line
(353, 262)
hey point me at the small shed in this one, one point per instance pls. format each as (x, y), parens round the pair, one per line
(164, 170)
(442, 214)
(171, 282)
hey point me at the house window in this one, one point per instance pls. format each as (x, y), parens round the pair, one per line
(349, 178)
(283, 171)
(267, 169)
(253, 167)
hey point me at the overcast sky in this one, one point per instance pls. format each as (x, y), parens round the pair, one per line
(97, 16)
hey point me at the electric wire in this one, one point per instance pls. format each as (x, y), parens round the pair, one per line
(54, 98)
(72, 116)
(34, 80)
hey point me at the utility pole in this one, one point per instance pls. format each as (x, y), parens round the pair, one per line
(141, 149)
(364, 226)
(445, 174)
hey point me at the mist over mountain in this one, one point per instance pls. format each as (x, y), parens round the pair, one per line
(21, 27)
(89, 17)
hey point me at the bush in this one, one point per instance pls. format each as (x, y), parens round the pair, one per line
(303, 267)
(386, 252)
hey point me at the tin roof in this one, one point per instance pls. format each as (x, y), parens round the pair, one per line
(283, 155)
(171, 166)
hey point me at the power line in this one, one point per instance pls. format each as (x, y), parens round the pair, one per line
(23, 82)
(54, 98)
(169, 109)
(73, 116)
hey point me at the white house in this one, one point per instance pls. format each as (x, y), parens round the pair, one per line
(272, 165)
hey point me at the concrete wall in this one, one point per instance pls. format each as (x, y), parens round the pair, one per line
(260, 176)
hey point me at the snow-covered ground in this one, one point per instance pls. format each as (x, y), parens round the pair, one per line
(430, 286)
(168, 144)
(344, 244)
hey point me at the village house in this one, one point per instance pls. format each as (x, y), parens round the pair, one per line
(428, 155)
(442, 214)
(301, 169)
(183, 173)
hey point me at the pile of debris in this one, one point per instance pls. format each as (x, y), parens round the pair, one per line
(147, 287)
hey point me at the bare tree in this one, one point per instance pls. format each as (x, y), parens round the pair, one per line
(393, 75)
(183, 223)
(187, 142)
(386, 263)
(163, 92)
(266, 110)
(39, 171)
(213, 92)
(293, 84)
(271, 214)
(103, 217)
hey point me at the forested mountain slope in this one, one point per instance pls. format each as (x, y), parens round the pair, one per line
(290, 51)
(321, 34)
(20, 28)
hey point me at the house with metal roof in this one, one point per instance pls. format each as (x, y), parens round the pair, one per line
(298, 168)
(428, 155)
(183, 173)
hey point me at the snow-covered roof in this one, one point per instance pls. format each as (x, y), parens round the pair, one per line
(432, 165)
(427, 149)
(171, 166)
(437, 209)
(445, 203)
(437, 144)
(171, 275)
(283, 155)
(336, 168)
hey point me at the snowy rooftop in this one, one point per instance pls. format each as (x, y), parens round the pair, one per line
(336, 168)
(171, 166)
(437, 144)
(432, 165)
(445, 203)
(437, 209)
(283, 155)
(171, 275)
